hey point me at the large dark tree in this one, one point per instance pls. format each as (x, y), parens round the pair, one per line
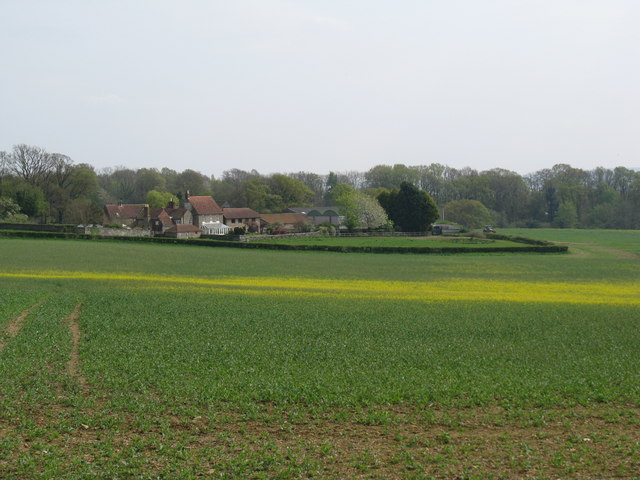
(409, 208)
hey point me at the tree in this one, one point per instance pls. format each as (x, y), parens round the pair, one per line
(470, 213)
(566, 216)
(358, 209)
(148, 179)
(332, 181)
(384, 176)
(10, 211)
(8, 207)
(410, 209)
(259, 197)
(370, 212)
(293, 192)
(82, 211)
(314, 182)
(195, 182)
(120, 184)
(31, 164)
(30, 198)
(231, 187)
(156, 199)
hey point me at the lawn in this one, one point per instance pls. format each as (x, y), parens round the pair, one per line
(163, 361)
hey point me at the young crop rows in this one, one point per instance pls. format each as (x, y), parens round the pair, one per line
(373, 369)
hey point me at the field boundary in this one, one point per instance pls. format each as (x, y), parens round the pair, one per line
(532, 246)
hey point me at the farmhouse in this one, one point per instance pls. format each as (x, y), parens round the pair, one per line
(242, 217)
(202, 214)
(134, 215)
(160, 221)
(197, 210)
(203, 209)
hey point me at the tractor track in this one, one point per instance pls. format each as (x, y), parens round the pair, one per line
(15, 325)
(73, 366)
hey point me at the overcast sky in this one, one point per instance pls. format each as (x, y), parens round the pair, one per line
(326, 85)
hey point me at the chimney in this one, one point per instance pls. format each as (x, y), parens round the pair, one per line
(171, 203)
(187, 195)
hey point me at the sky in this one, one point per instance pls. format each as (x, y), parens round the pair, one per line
(325, 85)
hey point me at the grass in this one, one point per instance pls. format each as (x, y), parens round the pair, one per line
(225, 363)
(625, 240)
(395, 242)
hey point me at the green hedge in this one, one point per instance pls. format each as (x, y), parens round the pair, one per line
(535, 248)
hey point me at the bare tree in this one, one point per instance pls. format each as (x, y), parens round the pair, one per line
(32, 164)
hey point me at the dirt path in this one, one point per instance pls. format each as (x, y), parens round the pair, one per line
(15, 325)
(73, 367)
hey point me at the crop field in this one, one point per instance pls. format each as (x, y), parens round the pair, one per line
(125, 360)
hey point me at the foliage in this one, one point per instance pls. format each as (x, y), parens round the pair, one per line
(359, 210)
(8, 207)
(259, 197)
(566, 216)
(293, 192)
(156, 199)
(602, 198)
(82, 211)
(410, 209)
(470, 213)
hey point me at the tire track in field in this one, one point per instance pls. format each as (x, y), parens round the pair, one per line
(73, 366)
(16, 323)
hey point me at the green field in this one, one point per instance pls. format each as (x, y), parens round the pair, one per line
(165, 361)
(345, 241)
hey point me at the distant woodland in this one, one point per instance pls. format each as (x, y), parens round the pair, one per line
(38, 186)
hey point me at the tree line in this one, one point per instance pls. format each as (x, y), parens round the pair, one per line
(36, 185)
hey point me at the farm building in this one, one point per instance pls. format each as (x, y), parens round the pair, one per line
(183, 231)
(289, 222)
(445, 228)
(320, 215)
(242, 217)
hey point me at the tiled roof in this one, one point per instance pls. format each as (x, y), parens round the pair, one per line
(240, 213)
(163, 215)
(176, 212)
(131, 210)
(285, 218)
(204, 205)
(183, 228)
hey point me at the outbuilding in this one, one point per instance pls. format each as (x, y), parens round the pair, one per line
(183, 231)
